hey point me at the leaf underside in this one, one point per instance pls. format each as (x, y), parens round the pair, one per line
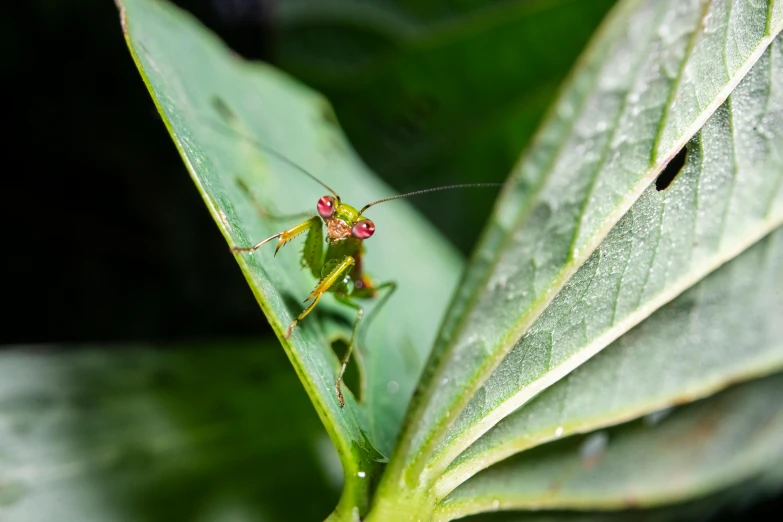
(724, 329)
(648, 82)
(718, 204)
(738, 497)
(701, 447)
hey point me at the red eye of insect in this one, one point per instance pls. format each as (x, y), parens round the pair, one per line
(326, 206)
(363, 229)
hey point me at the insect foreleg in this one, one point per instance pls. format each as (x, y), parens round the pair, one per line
(335, 276)
(285, 236)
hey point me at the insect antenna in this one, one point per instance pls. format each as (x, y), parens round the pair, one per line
(424, 191)
(227, 114)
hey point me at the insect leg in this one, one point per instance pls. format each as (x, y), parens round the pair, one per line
(335, 276)
(285, 236)
(365, 292)
(347, 357)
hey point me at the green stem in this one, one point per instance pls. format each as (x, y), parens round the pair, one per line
(361, 472)
(401, 505)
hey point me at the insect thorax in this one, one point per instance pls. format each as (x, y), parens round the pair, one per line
(339, 249)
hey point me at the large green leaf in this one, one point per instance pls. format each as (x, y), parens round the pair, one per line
(726, 196)
(727, 504)
(699, 448)
(444, 91)
(189, 72)
(724, 329)
(112, 434)
(649, 81)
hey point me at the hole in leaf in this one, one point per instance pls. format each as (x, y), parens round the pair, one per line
(351, 377)
(671, 170)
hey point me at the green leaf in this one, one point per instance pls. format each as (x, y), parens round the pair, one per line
(136, 432)
(189, 73)
(700, 447)
(723, 330)
(648, 82)
(449, 92)
(764, 485)
(726, 196)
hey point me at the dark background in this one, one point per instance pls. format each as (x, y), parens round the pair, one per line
(105, 238)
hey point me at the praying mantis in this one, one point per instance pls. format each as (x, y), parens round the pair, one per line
(339, 268)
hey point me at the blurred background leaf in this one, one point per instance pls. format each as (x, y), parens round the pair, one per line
(197, 432)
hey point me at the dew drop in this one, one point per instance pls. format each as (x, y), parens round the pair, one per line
(392, 387)
(559, 432)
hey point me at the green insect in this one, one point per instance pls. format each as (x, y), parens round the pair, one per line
(339, 268)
